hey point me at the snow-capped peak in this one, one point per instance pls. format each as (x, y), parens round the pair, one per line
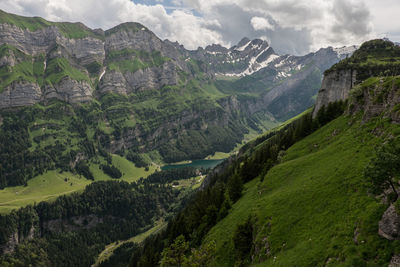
(345, 50)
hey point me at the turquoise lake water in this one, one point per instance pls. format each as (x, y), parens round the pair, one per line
(199, 164)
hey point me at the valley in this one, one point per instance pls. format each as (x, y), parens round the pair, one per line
(118, 148)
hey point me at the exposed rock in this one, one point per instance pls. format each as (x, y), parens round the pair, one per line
(7, 61)
(72, 224)
(70, 91)
(389, 225)
(395, 261)
(152, 78)
(29, 42)
(85, 50)
(16, 239)
(20, 94)
(335, 86)
(11, 244)
(113, 81)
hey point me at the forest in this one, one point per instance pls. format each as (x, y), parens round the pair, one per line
(74, 229)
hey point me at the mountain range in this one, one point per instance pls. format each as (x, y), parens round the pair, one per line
(154, 96)
(88, 116)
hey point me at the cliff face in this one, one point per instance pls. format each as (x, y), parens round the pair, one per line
(335, 86)
(370, 76)
(85, 56)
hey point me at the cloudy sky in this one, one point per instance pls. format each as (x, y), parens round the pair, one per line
(291, 26)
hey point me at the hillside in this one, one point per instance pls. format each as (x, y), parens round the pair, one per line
(314, 207)
(302, 195)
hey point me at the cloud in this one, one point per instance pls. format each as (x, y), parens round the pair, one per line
(351, 19)
(180, 25)
(260, 23)
(291, 26)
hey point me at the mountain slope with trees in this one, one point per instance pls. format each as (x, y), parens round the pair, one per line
(70, 95)
(309, 197)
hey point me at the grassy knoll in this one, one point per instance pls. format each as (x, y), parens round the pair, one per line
(130, 172)
(314, 207)
(41, 188)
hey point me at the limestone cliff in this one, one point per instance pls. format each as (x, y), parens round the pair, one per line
(367, 68)
(335, 86)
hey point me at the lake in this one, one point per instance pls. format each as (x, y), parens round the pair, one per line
(198, 164)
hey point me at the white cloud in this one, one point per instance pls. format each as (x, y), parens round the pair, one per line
(179, 25)
(292, 26)
(260, 23)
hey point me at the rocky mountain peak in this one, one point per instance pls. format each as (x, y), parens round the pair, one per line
(216, 48)
(243, 42)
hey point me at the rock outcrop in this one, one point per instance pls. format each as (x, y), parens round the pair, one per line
(389, 225)
(143, 79)
(335, 86)
(15, 239)
(20, 94)
(72, 224)
(395, 261)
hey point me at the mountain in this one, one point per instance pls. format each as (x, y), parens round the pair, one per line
(298, 195)
(80, 105)
(304, 194)
(75, 94)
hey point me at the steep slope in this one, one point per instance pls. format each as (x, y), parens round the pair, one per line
(314, 207)
(307, 200)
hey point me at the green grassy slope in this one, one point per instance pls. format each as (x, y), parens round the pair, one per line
(314, 208)
(50, 185)
(68, 29)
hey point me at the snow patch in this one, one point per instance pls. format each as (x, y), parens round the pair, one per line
(214, 53)
(345, 50)
(282, 74)
(255, 66)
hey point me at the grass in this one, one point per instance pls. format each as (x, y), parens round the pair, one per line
(52, 184)
(309, 207)
(69, 30)
(31, 69)
(130, 172)
(59, 68)
(191, 183)
(219, 155)
(130, 60)
(41, 188)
